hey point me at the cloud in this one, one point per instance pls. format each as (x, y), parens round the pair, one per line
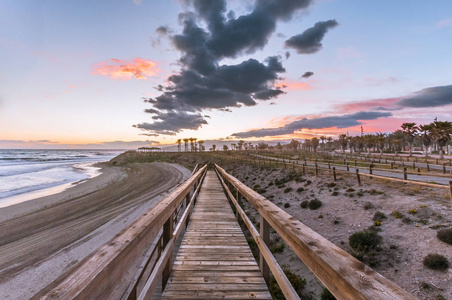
(307, 74)
(139, 68)
(205, 84)
(343, 121)
(293, 85)
(310, 40)
(437, 96)
(444, 23)
(429, 97)
(46, 144)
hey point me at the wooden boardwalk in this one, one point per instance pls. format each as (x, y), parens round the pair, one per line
(214, 260)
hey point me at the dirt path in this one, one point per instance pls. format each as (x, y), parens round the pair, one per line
(28, 239)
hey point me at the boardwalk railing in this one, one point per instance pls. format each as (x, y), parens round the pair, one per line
(97, 276)
(343, 275)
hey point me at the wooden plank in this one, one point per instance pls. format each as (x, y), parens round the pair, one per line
(214, 260)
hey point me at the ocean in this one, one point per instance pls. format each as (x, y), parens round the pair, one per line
(28, 174)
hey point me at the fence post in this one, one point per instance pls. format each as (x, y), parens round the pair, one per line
(436, 161)
(329, 166)
(334, 173)
(428, 167)
(419, 171)
(358, 177)
(392, 165)
(414, 165)
(239, 200)
(355, 162)
(304, 170)
(348, 167)
(370, 170)
(316, 170)
(166, 236)
(404, 174)
(265, 235)
(444, 168)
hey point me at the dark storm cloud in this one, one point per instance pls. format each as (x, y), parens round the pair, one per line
(310, 40)
(307, 74)
(429, 97)
(169, 123)
(343, 121)
(202, 82)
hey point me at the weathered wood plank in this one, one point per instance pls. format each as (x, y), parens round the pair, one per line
(214, 260)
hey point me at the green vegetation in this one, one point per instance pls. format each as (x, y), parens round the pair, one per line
(436, 262)
(286, 205)
(297, 282)
(304, 204)
(287, 190)
(368, 205)
(364, 241)
(314, 204)
(326, 295)
(445, 235)
(397, 214)
(300, 189)
(379, 216)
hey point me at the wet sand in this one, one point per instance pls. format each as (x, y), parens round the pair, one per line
(34, 231)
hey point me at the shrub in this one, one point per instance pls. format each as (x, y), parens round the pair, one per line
(445, 235)
(364, 240)
(308, 182)
(300, 189)
(360, 193)
(314, 204)
(331, 185)
(436, 262)
(261, 191)
(350, 190)
(375, 192)
(379, 216)
(287, 190)
(368, 205)
(296, 281)
(397, 214)
(326, 295)
(412, 211)
(278, 248)
(320, 217)
(377, 223)
(304, 204)
(286, 205)
(335, 193)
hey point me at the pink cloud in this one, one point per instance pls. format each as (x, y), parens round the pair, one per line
(294, 85)
(139, 68)
(388, 103)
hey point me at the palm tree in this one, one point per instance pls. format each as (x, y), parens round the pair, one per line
(322, 145)
(343, 140)
(441, 133)
(426, 137)
(233, 146)
(201, 145)
(225, 148)
(369, 140)
(330, 141)
(410, 130)
(179, 141)
(315, 143)
(214, 147)
(380, 139)
(186, 144)
(240, 143)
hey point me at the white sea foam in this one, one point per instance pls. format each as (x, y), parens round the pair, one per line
(25, 171)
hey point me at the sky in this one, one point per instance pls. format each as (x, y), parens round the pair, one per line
(130, 73)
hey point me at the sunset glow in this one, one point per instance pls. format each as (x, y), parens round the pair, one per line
(139, 68)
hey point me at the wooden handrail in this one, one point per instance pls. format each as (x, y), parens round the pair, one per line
(343, 275)
(96, 276)
(278, 273)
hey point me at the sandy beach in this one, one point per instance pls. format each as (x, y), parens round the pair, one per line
(42, 238)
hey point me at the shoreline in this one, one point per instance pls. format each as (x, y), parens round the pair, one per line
(27, 265)
(50, 196)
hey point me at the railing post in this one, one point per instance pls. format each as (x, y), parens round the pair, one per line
(358, 177)
(404, 174)
(166, 236)
(450, 191)
(392, 165)
(348, 167)
(428, 167)
(239, 201)
(265, 235)
(304, 170)
(334, 173)
(444, 168)
(316, 170)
